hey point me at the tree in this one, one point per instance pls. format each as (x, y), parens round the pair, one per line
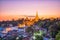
(58, 36)
(38, 37)
(29, 30)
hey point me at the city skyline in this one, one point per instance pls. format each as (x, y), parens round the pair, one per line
(45, 8)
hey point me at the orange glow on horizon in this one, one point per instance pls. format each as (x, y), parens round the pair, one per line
(16, 17)
(13, 9)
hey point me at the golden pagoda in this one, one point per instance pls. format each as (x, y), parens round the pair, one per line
(36, 18)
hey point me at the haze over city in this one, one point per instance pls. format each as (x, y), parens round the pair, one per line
(13, 8)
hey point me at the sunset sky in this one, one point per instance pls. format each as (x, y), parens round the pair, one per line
(45, 8)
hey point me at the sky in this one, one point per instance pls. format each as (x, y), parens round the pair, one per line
(45, 8)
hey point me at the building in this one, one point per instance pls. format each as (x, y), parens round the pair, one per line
(36, 17)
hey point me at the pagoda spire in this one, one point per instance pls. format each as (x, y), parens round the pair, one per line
(36, 18)
(36, 13)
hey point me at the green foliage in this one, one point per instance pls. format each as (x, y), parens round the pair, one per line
(58, 36)
(38, 37)
(40, 24)
(0, 39)
(29, 29)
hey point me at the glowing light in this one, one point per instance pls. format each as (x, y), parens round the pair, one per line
(34, 37)
(21, 25)
(8, 29)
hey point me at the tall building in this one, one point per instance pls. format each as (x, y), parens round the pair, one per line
(36, 17)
